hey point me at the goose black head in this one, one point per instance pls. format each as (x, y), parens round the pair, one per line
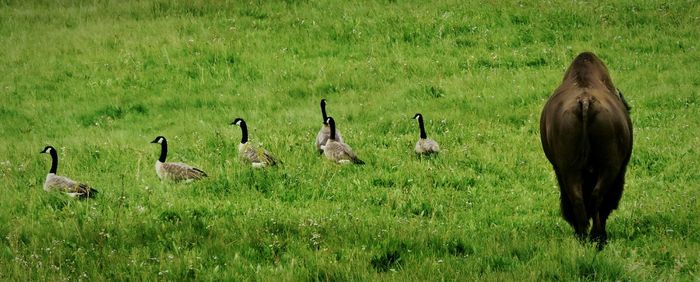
(418, 116)
(159, 140)
(238, 121)
(329, 120)
(323, 102)
(47, 150)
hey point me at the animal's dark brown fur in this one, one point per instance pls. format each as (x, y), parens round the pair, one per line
(586, 134)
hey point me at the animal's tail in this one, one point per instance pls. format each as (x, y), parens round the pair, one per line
(201, 172)
(356, 160)
(585, 143)
(89, 194)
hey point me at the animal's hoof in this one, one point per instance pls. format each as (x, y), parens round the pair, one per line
(600, 246)
(600, 240)
(581, 236)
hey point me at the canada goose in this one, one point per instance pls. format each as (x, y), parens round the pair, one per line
(64, 184)
(257, 156)
(325, 131)
(174, 171)
(338, 151)
(425, 146)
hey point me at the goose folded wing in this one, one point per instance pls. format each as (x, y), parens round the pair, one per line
(341, 151)
(61, 183)
(181, 171)
(71, 187)
(269, 158)
(353, 157)
(251, 154)
(84, 191)
(258, 155)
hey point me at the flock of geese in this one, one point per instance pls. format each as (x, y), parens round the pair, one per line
(329, 142)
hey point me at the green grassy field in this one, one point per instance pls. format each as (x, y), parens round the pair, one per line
(100, 79)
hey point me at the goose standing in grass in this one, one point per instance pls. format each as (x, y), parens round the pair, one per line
(256, 156)
(325, 131)
(337, 151)
(425, 146)
(174, 171)
(64, 184)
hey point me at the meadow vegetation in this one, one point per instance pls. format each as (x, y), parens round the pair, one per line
(100, 79)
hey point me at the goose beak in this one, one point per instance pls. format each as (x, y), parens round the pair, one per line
(154, 141)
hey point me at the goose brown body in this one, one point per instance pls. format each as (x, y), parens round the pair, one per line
(255, 155)
(425, 146)
(178, 172)
(174, 171)
(337, 151)
(323, 135)
(64, 184)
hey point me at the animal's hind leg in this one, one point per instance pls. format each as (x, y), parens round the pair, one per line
(608, 204)
(599, 235)
(573, 191)
(567, 210)
(607, 183)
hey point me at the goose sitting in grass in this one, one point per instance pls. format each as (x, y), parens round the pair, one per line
(64, 184)
(257, 156)
(425, 146)
(325, 131)
(174, 171)
(337, 151)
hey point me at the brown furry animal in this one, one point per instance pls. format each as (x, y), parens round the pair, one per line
(586, 134)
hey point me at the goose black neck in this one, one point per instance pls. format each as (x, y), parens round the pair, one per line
(332, 124)
(163, 151)
(323, 112)
(422, 128)
(54, 161)
(244, 132)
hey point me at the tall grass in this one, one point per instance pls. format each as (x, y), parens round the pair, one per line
(99, 80)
